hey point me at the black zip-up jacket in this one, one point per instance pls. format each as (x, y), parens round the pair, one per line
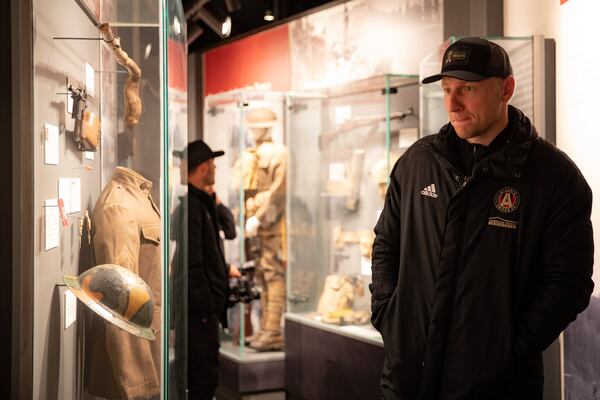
(208, 284)
(474, 275)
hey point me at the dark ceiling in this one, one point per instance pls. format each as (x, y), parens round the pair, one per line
(247, 16)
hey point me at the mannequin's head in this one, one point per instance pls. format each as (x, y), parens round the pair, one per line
(259, 122)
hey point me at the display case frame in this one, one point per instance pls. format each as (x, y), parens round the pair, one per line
(243, 369)
(225, 129)
(343, 143)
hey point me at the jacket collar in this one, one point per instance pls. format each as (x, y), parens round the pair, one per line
(508, 159)
(131, 179)
(201, 194)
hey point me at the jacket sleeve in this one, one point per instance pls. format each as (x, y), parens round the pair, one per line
(386, 252)
(563, 284)
(199, 293)
(117, 241)
(226, 221)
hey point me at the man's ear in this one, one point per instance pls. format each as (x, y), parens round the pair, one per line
(202, 168)
(508, 88)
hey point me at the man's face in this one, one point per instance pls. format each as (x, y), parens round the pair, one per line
(203, 175)
(476, 109)
(210, 167)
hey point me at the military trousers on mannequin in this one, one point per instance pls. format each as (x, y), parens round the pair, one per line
(272, 279)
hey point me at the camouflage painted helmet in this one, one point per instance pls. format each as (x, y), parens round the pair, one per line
(117, 295)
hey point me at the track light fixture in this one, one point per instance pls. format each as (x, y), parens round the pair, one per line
(193, 32)
(268, 15)
(222, 26)
(233, 5)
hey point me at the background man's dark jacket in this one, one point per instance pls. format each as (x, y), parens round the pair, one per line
(208, 285)
(467, 291)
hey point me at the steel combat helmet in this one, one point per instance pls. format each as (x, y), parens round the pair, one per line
(117, 295)
(260, 118)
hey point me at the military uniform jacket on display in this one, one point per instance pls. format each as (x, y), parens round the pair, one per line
(474, 277)
(269, 175)
(127, 233)
(208, 284)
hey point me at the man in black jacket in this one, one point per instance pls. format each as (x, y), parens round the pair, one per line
(208, 286)
(483, 252)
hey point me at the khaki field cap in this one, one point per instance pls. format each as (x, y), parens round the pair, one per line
(117, 295)
(473, 59)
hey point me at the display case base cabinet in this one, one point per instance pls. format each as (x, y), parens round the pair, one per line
(240, 378)
(325, 365)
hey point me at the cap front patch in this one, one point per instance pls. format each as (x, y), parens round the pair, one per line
(507, 199)
(458, 56)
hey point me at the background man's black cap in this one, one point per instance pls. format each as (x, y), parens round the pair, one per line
(197, 152)
(473, 59)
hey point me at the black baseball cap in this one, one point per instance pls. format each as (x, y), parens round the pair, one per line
(473, 59)
(197, 152)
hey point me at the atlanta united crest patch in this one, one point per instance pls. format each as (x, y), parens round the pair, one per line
(507, 199)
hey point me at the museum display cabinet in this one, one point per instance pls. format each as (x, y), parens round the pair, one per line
(248, 125)
(343, 143)
(108, 109)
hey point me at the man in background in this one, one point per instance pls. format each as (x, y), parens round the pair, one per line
(208, 285)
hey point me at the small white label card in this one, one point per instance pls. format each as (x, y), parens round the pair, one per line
(70, 308)
(337, 172)
(51, 144)
(75, 195)
(88, 155)
(51, 224)
(64, 192)
(89, 79)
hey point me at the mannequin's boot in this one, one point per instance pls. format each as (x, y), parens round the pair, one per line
(268, 341)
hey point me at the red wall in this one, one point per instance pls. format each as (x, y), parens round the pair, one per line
(263, 57)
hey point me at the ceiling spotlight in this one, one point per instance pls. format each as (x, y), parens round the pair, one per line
(226, 27)
(268, 15)
(221, 26)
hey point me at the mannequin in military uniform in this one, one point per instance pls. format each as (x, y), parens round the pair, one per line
(264, 180)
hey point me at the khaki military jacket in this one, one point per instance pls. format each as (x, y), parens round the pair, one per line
(266, 176)
(127, 233)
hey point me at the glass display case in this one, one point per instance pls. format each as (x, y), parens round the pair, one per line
(532, 92)
(109, 108)
(343, 143)
(248, 124)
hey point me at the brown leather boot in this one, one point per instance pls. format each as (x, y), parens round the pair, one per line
(268, 341)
